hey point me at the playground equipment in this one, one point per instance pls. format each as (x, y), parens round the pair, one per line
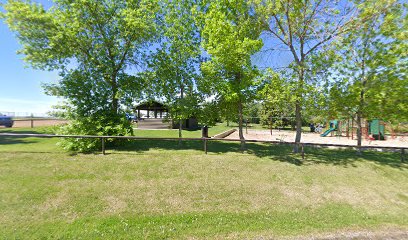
(371, 130)
(334, 125)
(376, 130)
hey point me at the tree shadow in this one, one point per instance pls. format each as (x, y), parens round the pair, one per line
(7, 140)
(345, 157)
(349, 157)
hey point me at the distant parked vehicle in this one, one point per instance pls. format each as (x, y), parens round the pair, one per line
(6, 121)
(131, 118)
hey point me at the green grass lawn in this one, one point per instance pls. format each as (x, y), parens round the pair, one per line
(159, 190)
(219, 128)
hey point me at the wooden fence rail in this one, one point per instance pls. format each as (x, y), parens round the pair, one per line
(205, 141)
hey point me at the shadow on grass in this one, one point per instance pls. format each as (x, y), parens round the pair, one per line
(7, 140)
(283, 153)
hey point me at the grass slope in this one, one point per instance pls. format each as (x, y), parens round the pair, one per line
(158, 190)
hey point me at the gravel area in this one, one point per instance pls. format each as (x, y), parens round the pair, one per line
(307, 137)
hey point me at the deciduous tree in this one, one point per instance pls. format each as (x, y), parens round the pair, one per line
(230, 34)
(175, 64)
(92, 44)
(372, 74)
(304, 28)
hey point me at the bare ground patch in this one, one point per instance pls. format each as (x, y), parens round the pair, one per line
(307, 137)
(38, 123)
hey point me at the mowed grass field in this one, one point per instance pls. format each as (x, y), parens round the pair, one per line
(159, 190)
(173, 133)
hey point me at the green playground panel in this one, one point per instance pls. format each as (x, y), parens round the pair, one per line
(334, 124)
(376, 129)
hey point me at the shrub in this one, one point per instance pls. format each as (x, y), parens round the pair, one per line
(99, 125)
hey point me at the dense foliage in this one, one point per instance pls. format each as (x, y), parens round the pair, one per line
(372, 80)
(345, 59)
(230, 36)
(173, 67)
(92, 45)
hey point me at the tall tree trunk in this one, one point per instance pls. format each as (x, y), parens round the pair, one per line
(298, 108)
(115, 100)
(238, 77)
(240, 125)
(360, 118)
(298, 122)
(180, 130)
(180, 119)
(361, 105)
(359, 128)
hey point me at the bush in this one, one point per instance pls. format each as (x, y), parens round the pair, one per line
(102, 125)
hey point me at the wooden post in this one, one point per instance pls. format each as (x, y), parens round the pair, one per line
(32, 121)
(103, 145)
(303, 152)
(205, 145)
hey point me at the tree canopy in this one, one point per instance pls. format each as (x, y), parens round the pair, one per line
(230, 34)
(92, 44)
(372, 71)
(174, 65)
(346, 58)
(304, 28)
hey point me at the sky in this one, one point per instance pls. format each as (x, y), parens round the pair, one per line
(20, 85)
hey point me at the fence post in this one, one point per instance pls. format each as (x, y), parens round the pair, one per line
(205, 145)
(32, 121)
(103, 145)
(303, 152)
(402, 155)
